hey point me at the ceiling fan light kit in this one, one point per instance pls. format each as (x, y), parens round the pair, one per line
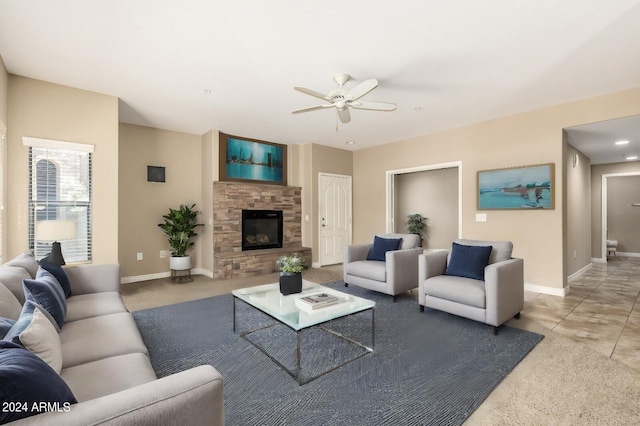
(343, 99)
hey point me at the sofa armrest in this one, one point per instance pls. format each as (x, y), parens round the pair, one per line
(191, 397)
(430, 265)
(402, 270)
(86, 279)
(504, 289)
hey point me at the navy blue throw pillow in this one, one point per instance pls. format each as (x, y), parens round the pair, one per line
(47, 292)
(26, 382)
(381, 246)
(58, 272)
(468, 261)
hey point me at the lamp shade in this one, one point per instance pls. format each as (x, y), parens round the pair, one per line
(55, 230)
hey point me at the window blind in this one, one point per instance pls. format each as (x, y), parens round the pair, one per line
(60, 190)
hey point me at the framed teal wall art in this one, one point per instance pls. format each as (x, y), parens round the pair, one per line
(244, 159)
(517, 188)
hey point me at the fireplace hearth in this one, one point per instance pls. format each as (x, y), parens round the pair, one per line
(261, 229)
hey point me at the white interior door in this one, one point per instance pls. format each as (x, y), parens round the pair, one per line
(334, 217)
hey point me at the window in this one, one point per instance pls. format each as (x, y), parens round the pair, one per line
(60, 198)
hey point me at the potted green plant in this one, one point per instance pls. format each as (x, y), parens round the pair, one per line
(291, 268)
(179, 226)
(417, 224)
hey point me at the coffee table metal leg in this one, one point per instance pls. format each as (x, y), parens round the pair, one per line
(373, 329)
(234, 313)
(299, 375)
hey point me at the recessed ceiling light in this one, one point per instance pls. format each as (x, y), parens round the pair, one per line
(350, 142)
(207, 91)
(622, 142)
(418, 108)
(632, 157)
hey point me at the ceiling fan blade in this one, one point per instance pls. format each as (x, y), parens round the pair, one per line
(376, 106)
(312, 93)
(313, 108)
(344, 114)
(362, 89)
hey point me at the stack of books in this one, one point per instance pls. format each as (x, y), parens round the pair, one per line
(316, 301)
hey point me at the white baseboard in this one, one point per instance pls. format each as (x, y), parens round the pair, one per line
(553, 291)
(598, 260)
(626, 254)
(316, 265)
(575, 275)
(148, 277)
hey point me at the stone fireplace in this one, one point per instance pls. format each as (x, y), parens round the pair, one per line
(230, 199)
(261, 229)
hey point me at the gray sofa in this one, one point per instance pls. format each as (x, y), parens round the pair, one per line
(493, 301)
(397, 274)
(105, 362)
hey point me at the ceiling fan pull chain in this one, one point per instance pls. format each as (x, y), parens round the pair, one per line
(337, 121)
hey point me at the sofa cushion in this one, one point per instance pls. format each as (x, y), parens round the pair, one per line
(25, 261)
(41, 338)
(11, 277)
(94, 304)
(96, 338)
(46, 291)
(466, 291)
(10, 307)
(381, 246)
(371, 269)
(28, 380)
(110, 375)
(58, 272)
(468, 261)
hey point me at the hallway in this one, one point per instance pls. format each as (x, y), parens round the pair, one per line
(601, 311)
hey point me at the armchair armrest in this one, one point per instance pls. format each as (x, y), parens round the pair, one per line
(191, 397)
(430, 265)
(402, 269)
(504, 290)
(86, 279)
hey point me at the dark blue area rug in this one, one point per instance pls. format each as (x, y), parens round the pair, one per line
(428, 368)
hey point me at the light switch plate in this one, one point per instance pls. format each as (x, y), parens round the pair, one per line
(481, 217)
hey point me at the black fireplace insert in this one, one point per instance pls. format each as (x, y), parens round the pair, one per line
(261, 229)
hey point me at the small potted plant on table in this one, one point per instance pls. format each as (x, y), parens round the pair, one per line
(290, 274)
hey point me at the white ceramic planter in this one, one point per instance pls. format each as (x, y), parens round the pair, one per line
(180, 263)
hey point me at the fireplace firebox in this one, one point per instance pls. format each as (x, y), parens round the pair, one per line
(261, 229)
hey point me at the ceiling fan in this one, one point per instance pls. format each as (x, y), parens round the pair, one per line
(343, 99)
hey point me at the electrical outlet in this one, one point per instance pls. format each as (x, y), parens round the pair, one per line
(575, 254)
(139, 256)
(163, 254)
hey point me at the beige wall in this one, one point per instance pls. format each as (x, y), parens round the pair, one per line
(530, 138)
(44, 110)
(324, 159)
(143, 203)
(4, 83)
(433, 194)
(578, 212)
(596, 199)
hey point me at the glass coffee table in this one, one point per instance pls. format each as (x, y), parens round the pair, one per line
(306, 344)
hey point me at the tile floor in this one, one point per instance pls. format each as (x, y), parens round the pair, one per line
(602, 310)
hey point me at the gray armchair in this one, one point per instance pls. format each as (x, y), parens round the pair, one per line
(396, 275)
(492, 301)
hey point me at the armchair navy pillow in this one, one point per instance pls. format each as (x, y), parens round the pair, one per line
(468, 261)
(27, 380)
(382, 246)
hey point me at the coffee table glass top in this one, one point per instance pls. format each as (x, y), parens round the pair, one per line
(269, 300)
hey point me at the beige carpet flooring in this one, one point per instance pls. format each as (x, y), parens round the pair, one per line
(561, 382)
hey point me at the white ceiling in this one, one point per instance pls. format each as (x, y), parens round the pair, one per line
(598, 140)
(444, 63)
